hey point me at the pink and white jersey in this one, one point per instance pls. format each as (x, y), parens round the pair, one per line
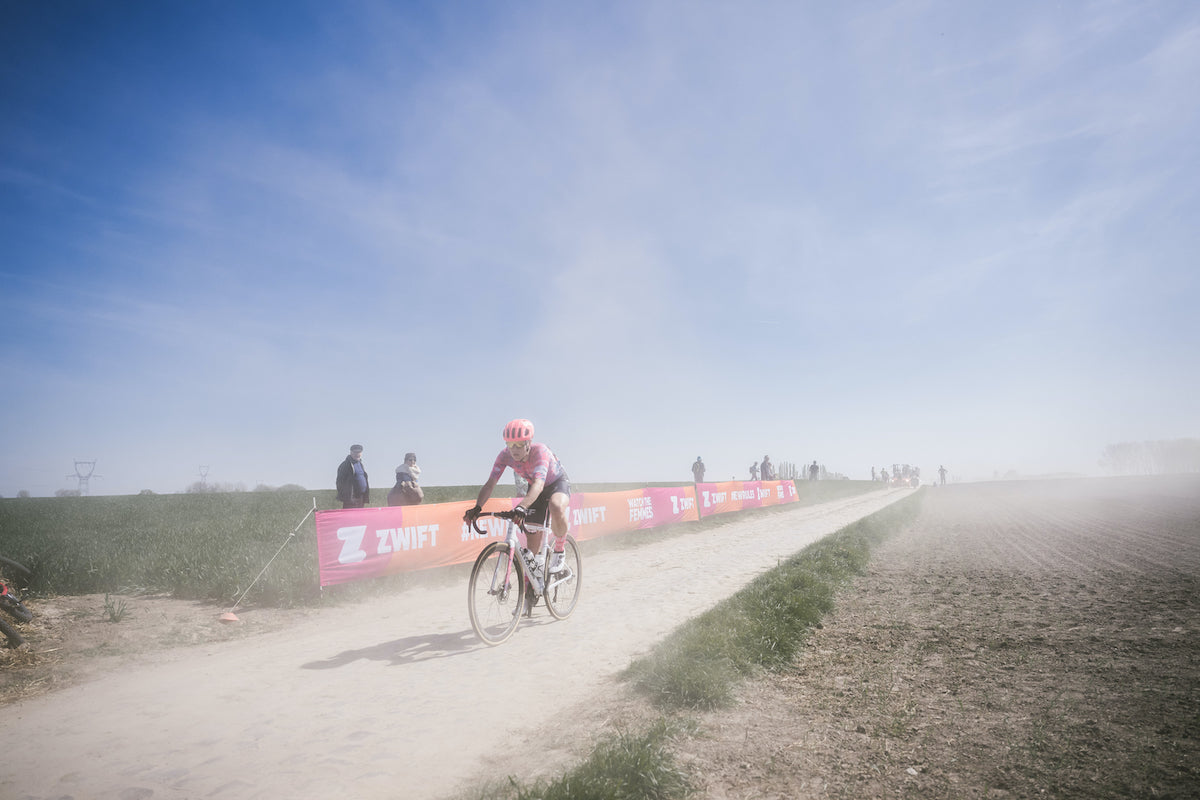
(541, 463)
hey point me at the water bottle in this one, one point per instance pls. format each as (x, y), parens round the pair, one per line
(531, 563)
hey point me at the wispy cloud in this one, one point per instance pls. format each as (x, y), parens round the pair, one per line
(716, 229)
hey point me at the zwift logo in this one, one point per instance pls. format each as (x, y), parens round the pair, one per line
(390, 540)
(586, 516)
(680, 504)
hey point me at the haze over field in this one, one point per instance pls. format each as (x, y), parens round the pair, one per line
(247, 235)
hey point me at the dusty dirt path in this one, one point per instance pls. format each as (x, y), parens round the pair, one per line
(1037, 639)
(384, 700)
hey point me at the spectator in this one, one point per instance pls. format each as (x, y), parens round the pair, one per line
(754, 471)
(767, 469)
(698, 470)
(353, 489)
(874, 477)
(407, 491)
(942, 473)
(814, 471)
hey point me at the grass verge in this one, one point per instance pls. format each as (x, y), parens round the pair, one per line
(764, 624)
(625, 766)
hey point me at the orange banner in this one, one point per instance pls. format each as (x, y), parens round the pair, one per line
(358, 543)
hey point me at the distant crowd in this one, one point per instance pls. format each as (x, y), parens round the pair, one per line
(900, 474)
(354, 486)
(765, 470)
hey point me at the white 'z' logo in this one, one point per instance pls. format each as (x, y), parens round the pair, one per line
(352, 537)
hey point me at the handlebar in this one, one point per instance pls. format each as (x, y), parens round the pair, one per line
(501, 515)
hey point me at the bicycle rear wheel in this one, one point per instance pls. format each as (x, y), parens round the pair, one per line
(562, 588)
(495, 595)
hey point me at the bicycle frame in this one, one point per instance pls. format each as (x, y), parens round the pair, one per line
(513, 540)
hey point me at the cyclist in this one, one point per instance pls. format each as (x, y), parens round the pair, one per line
(549, 488)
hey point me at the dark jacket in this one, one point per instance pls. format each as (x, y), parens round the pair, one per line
(346, 489)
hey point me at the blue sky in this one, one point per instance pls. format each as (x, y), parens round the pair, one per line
(247, 235)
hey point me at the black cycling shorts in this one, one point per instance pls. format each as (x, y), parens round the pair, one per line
(537, 509)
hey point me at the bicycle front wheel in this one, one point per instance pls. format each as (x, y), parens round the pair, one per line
(15, 607)
(14, 569)
(495, 595)
(563, 587)
(10, 633)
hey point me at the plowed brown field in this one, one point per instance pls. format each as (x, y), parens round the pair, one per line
(1032, 639)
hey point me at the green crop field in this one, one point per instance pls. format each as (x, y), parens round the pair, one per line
(212, 546)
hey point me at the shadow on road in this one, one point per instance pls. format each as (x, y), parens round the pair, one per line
(406, 650)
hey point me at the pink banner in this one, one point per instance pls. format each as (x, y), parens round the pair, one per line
(596, 514)
(722, 498)
(358, 543)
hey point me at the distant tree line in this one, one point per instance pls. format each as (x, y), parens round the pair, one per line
(203, 487)
(1152, 458)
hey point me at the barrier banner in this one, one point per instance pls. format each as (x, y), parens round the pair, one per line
(780, 492)
(727, 496)
(358, 543)
(600, 513)
(671, 504)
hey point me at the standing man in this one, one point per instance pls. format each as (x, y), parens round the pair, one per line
(698, 470)
(814, 472)
(754, 471)
(407, 491)
(767, 469)
(942, 473)
(353, 488)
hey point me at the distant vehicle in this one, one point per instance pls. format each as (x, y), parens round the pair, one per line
(904, 475)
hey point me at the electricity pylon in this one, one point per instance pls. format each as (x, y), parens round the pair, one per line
(83, 477)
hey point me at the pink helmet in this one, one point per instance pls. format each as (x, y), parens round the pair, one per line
(519, 430)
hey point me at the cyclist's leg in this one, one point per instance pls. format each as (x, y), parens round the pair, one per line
(555, 502)
(536, 522)
(543, 507)
(560, 508)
